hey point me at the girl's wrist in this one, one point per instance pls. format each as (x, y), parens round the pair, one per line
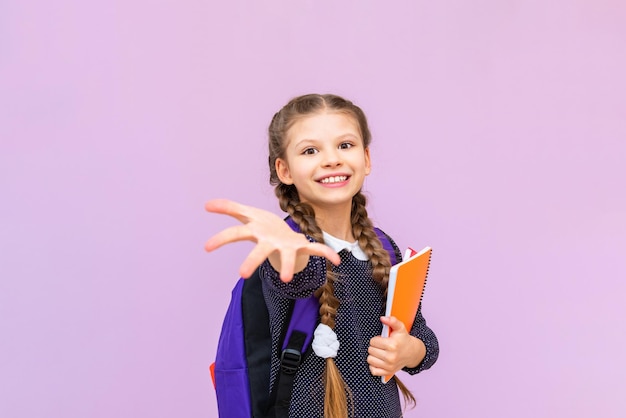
(418, 352)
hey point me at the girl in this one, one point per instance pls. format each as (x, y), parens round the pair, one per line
(318, 158)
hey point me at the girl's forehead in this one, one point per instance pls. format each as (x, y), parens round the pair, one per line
(323, 124)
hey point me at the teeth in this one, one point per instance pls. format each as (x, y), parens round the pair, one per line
(335, 179)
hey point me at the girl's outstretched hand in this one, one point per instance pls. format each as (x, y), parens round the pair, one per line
(287, 250)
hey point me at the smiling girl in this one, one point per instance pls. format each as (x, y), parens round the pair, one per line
(319, 157)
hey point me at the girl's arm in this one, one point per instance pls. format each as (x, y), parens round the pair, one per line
(303, 283)
(411, 350)
(423, 332)
(287, 251)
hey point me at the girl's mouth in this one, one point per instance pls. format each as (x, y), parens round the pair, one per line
(333, 179)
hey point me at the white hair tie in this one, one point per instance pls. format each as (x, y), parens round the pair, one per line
(325, 342)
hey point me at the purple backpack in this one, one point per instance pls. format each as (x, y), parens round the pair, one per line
(241, 374)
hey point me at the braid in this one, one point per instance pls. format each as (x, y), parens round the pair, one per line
(337, 395)
(363, 231)
(302, 213)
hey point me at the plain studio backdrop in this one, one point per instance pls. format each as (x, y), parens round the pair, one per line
(499, 140)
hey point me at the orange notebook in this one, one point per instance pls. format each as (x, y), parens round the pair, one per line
(406, 288)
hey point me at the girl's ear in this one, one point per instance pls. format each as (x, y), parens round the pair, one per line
(282, 170)
(368, 161)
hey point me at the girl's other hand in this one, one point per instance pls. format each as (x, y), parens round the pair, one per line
(390, 355)
(288, 251)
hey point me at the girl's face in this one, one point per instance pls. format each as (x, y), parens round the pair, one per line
(325, 159)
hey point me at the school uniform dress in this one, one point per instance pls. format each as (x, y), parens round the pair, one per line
(358, 320)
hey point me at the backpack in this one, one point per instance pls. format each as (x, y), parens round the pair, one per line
(241, 369)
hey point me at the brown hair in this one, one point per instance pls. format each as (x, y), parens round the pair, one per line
(338, 396)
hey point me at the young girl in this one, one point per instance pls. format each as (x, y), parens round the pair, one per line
(318, 158)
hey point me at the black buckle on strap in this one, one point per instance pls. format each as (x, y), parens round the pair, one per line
(290, 360)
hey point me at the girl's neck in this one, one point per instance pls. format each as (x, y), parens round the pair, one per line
(335, 222)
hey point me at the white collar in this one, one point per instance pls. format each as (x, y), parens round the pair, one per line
(339, 244)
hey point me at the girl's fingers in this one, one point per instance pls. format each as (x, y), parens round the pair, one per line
(228, 207)
(394, 324)
(254, 259)
(376, 371)
(376, 363)
(323, 250)
(378, 367)
(228, 235)
(378, 358)
(287, 264)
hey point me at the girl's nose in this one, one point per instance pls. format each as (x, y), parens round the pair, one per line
(331, 159)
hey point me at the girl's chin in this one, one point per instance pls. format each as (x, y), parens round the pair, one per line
(330, 203)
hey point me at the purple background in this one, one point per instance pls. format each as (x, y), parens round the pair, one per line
(499, 139)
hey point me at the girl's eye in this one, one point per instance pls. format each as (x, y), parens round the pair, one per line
(345, 145)
(309, 151)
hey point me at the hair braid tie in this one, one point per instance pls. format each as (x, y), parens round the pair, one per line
(325, 343)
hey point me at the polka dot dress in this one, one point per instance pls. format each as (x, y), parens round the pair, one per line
(357, 321)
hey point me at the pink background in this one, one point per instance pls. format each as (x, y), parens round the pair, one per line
(499, 139)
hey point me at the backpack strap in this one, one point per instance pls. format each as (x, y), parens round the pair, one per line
(394, 252)
(303, 320)
(258, 354)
